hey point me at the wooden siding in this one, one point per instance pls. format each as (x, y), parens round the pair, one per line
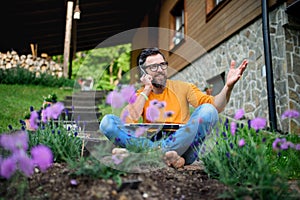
(203, 35)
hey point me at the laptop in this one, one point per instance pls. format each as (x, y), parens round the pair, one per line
(156, 131)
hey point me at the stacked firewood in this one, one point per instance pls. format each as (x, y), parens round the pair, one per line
(43, 64)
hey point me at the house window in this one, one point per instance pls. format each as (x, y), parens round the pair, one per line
(213, 7)
(177, 24)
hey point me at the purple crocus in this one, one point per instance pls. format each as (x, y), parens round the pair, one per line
(258, 123)
(290, 114)
(239, 114)
(42, 156)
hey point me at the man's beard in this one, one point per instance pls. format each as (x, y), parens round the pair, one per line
(159, 83)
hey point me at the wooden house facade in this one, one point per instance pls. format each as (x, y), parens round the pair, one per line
(201, 37)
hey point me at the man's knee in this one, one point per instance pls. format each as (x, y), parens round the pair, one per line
(106, 124)
(208, 112)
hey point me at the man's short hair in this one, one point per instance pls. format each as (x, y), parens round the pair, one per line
(148, 52)
(141, 59)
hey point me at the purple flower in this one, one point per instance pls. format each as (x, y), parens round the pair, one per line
(117, 159)
(276, 143)
(227, 154)
(226, 123)
(128, 93)
(115, 99)
(239, 114)
(258, 123)
(290, 114)
(34, 120)
(73, 182)
(8, 167)
(224, 134)
(297, 147)
(14, 142)
(55, 110)
(233, 128)
(25, 164)
(162, 104)
(140, 131)
(241, 142)
(125, 114)
(286, 145)
(42, 156)
(117, 139)
(169, 114)
(152, 113)
(153, 102)
(45, 115)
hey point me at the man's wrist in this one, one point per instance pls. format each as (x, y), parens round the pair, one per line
(147, 89)
(144, 95)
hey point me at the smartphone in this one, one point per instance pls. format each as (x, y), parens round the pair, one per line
(144, 72)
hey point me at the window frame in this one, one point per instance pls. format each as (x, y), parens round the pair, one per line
(213, 7)
(177, 11)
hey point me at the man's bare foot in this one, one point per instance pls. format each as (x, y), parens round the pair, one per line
(119, 151)
(172, 159)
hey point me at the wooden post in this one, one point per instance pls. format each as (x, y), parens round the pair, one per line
(69, 19)
(33, 50)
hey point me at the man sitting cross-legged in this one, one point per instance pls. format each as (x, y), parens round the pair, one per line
(182, 146)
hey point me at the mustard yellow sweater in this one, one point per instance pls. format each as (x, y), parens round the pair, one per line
(177, 96)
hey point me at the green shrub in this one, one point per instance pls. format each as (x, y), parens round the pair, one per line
(20, 75)
(246, 161)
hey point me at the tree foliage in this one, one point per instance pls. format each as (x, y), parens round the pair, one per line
(107, 66)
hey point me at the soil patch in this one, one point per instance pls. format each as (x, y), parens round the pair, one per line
(191, 182)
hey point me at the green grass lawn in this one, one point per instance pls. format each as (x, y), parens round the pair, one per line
(17, 99)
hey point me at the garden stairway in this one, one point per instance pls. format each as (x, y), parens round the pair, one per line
(83, 113)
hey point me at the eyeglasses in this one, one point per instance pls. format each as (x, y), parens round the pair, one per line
(154, 67)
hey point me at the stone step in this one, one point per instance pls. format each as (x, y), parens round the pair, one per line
(82, 115)
(91, 94)
(79, 96)
(81, 103)
(82, 108)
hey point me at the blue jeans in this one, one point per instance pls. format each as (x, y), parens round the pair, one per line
(186, 141)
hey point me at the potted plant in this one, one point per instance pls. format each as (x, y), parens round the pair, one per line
(27, 123)
(49, 100)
